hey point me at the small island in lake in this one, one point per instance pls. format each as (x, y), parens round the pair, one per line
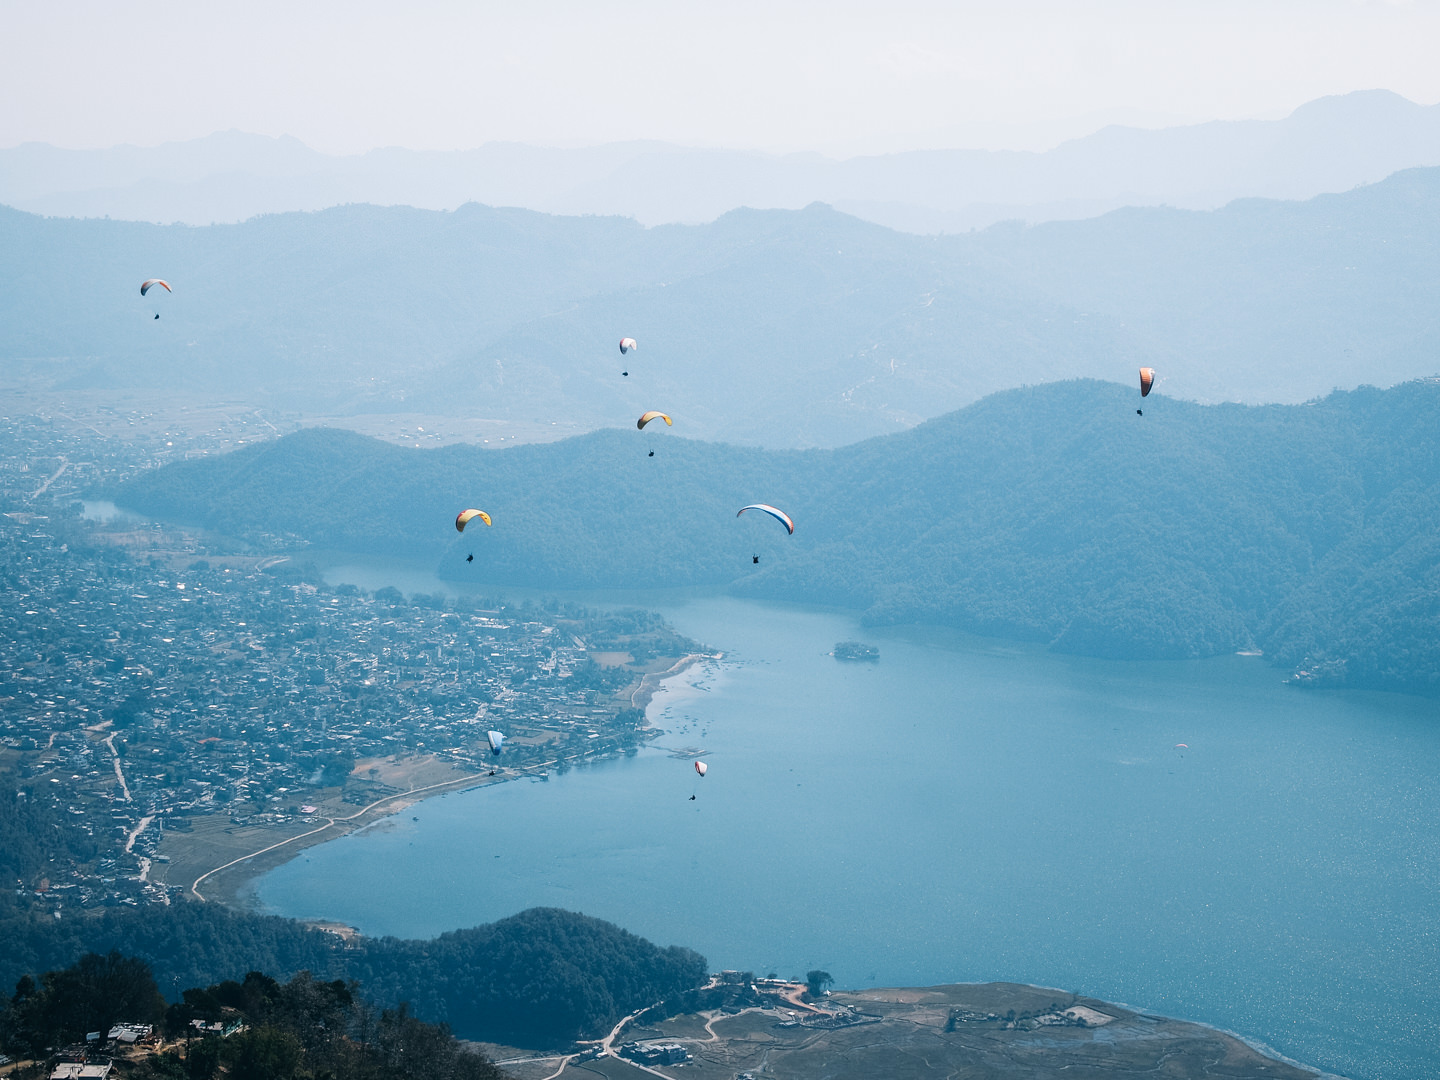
(855, 650)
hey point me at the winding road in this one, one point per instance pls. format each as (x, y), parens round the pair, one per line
(119, 774)
(130, 844)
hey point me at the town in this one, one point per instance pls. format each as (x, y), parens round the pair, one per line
(185, 700)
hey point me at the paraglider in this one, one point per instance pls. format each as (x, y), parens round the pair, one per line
(700, 769)
(778, 515)
(146, 285)
(652, 453)
(466, 516)
(1147, 383)
(628, 343)
(497, 740)
(653, 415)
(470, 557)
(755, 559)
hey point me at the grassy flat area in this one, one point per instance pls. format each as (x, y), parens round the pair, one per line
(957, 1031)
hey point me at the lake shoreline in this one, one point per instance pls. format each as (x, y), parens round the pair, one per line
(969, 757)
(739, 1025)
(232, 884)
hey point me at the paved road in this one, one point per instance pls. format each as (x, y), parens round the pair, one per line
(195, 885)
(64, 464)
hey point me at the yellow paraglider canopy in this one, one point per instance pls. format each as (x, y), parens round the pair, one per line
(651, 416)
(466, 516)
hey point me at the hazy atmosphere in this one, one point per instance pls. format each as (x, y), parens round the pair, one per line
(844, 78)
(804, 540)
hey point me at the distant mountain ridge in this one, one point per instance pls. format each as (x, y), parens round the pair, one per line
(1050, 514)
(1329, 145)
(798, 328)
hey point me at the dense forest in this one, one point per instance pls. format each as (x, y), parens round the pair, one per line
(1050, 513)
(542, 977)
(303, 1029)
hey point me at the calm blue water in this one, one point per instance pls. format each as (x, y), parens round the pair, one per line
(966, 810)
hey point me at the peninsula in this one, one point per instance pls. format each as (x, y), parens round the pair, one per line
(748, 1028)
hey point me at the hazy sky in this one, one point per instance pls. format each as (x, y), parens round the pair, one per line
(843, 77)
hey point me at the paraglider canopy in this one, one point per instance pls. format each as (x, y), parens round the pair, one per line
(1147, 380)
(652, 415)
(145, 288)
(626, 344)
(497, 740)
(778, 515)
(466, 516)
(701, 768)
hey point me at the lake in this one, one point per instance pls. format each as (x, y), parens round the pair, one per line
(967, 810)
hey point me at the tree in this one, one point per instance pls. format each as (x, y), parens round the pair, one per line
(266, 1053)
(94, 995)
(202, 1059)
(818, 981)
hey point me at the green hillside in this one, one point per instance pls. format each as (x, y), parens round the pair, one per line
(1051, 514)
(541, 977)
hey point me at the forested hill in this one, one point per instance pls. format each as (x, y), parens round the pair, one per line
(773, 328)
(1052, 513)
(539, 978)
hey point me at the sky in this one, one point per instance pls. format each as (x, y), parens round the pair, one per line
(828, 75)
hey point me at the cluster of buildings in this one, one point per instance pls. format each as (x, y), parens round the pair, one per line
(90, 1062)
(655, 1053)
(146, 679)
